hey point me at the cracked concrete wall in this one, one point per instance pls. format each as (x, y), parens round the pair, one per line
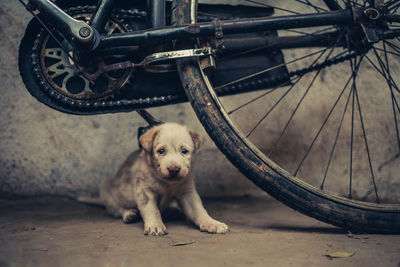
(45, 152)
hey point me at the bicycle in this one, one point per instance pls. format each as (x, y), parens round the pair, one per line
(84, 60)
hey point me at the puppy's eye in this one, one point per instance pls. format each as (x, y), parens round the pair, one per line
(161, 151)
(184, 151)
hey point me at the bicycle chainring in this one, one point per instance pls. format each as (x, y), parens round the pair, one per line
(70, 90)
(60, 71)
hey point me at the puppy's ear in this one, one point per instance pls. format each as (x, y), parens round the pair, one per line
(196, 138)
(146, 140)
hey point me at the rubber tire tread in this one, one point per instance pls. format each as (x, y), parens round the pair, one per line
(348, 214)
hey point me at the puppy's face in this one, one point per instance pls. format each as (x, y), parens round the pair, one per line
(170, 148)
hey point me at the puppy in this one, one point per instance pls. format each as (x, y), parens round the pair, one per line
(150, 179)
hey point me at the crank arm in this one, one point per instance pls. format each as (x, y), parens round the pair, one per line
(77, 31)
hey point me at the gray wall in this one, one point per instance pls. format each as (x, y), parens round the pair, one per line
(43, 151)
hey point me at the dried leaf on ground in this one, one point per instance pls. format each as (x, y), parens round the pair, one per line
(339, 254)
(350, 234)
(178, 244)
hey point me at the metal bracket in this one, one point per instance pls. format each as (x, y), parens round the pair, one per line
(156, 62)
(366, 18)
(169, 55)
(219, 35)
(208, 62)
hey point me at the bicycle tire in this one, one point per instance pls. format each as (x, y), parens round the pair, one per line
(353, 215)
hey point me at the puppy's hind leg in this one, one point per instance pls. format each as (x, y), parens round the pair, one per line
(113, 207)
(130, 215)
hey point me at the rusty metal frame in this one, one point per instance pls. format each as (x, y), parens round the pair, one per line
(155, 36)
(87, 37)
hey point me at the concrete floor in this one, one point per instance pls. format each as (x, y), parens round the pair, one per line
(60, 232)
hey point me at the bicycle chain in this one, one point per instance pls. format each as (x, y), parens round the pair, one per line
(121, 15)
(131, 14)
(281, 79)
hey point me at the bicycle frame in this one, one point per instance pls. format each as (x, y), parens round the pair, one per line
(149, 52)
(90, 37)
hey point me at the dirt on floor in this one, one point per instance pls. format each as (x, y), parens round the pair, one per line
(263, 232)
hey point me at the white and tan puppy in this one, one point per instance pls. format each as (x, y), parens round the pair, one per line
(159, 173)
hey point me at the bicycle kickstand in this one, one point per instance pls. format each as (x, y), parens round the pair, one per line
(149, 119)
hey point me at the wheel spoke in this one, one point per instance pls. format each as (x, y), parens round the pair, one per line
(392, 96)
(259, 97)
(308, 3)
(285, 94)
(394, 100)
(305, 34)
(394, 7)
(393, 46)
(336, 138)
(272, 108)
(112, 29)
(293, 113)
(322, 126)
(267, 5)
(271, 68)
(353, 73)
(389, 52)
(355, 97)
(295, 110)
(389, 3)
(381, 73)
(389, 79)
(366, 145)
(212, 15)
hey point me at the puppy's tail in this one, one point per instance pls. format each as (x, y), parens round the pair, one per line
(90, 200)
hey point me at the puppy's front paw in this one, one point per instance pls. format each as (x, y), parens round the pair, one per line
(155, 229)
(214, 227)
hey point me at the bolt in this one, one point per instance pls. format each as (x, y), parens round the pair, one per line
(222, 47)
(372, 13)
(84, 32)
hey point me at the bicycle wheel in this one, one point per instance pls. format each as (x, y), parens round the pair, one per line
(347, 122)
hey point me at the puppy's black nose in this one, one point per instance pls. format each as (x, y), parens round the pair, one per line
(173, 170)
